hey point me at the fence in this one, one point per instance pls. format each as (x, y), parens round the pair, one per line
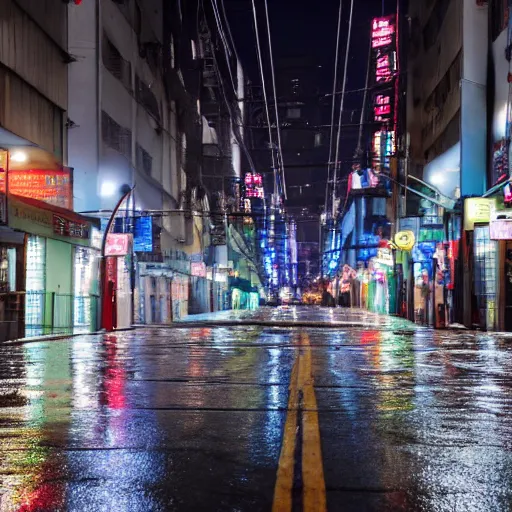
(26, 314)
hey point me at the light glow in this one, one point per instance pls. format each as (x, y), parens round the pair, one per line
(19, 157)
(108, 189)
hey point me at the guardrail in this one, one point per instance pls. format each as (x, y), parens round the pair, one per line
(36, 313)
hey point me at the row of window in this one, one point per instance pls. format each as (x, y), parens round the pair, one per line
(144, 95)
(434, 23)
(450, 81)
(122, 70)
(445, 140)
(119, 138)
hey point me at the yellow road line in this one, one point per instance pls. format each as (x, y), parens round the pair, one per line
(284, 484)
(314, 498)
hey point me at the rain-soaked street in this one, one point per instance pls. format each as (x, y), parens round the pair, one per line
(365, 413)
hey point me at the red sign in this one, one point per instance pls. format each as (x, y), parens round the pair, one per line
(501, 230)
(198, 269)
(118, 244)
(382, 109)
(453, 254)
(66, 227)
(383, 30)
(51, 186)
(385, 68)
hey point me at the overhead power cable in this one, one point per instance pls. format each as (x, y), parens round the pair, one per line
(344, 85)
(333, 109)
(359, 148)
(278, 129)
(265, 97)
(225, 44)
(235, 119)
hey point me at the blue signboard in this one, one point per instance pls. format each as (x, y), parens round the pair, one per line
(143, 236)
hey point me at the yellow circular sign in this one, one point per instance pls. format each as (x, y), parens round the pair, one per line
(405, 240)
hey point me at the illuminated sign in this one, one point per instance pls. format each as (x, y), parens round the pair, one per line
(382, 108)
(253, 186)
(198, 269)
(383, 30)
(383, 147)
(384, 257)
(143, 234)
(37, 218)
(477, 210)
(50, 186)
(385, 67)
(65, 227)
(118, 244)
(501, 230)
(405, 240)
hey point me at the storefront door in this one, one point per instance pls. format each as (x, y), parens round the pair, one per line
(485, 253)
(508, 286)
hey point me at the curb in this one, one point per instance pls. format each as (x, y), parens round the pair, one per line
(58, 337)
(262, 323)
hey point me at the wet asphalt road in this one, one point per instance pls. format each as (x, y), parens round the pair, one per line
(193, 418)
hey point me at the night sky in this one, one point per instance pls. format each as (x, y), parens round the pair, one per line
(308, 29)
(301, 27)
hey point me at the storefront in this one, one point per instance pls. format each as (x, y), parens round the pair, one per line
(155, 285)
(179, 296)
(117, 304)
(241, 290)
(480, 264)
(199, 301)
(382, 285)
(501, 233)
(60, 271)
(12, 281)
(220, 291)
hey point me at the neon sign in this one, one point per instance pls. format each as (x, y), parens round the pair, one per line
(254, 186)
(382, 108)
(383, 30)
(51, 186)
(385, 68)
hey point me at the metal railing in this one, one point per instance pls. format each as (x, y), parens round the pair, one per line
(36, 313)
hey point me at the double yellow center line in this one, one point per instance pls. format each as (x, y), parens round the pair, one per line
(301, 400)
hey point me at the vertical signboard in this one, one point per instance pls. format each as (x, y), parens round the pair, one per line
(4, 161)
(143, 236)
(384, 72)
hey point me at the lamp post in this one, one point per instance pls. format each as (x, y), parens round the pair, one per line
(105, 322)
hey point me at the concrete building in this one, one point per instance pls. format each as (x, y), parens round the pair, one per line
(33, 75)
(459, 106)
(122, 128)
(447, 95)
(48, 281)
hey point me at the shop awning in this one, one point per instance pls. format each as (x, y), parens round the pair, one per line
(497, 188)
(39, 218)
(441, 200)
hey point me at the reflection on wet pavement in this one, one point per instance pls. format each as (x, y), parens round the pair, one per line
(193, 418)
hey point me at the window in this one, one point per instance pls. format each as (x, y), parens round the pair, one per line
(114, 62)
(450, 81)
(115, 136)
(293, 113)
(137, 20)
(434, 23)
(194, 50)
(144, 160)
(318, 140)
(145, 96)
